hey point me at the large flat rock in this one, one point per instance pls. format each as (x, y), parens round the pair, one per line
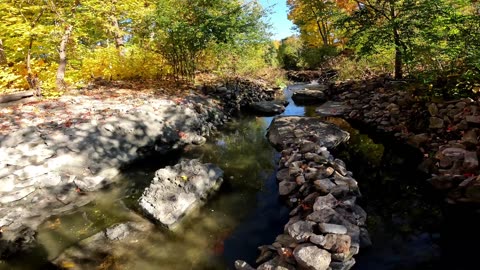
(309, 96)
(332, 108)
(176, 190)
(287, 130)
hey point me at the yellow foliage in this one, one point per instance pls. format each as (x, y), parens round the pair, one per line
(136, 63)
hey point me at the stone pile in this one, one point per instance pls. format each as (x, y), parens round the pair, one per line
(239, 93)
(48, 171)
(326, 227)
(446, 132)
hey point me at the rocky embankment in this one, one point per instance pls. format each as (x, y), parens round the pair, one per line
(80, 143)
(242, 94)
(326, 227)
(446, 132)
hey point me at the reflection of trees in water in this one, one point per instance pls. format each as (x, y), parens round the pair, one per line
(242, 150)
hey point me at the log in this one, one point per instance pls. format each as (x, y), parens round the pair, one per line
(15, 96)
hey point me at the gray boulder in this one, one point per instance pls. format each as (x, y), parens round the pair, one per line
(311, 257)
(287, 130)
(309, 96)
(176, 190)
(267, 107)
(332, 108)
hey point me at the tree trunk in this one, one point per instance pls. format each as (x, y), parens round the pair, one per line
(397, 42)
(398, 56)
(119, 42)
(29, 56)
(62, 63)
(3, 57)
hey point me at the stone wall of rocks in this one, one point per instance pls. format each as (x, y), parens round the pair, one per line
(446, 132)
(46, 172)
(326, 227)
(238, 93)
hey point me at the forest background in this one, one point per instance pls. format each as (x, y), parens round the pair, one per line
(58, 44)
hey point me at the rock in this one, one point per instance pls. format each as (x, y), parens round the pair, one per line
(332, 108)
(436, 123)
(301, 230)
(176, 190)
(281, 131)
(91, 183)
(325, 215)
(325, 201)
(433, 109)
(473, 119)
(340, 167)
(283, 175)
(332, 228)
(17, 195)
(316, 158)
(324, 185)
(286, 187)
(308, 96)
(418, 140)
(343, 265)
(317, 239)
(470, 139)
(242, 265)
(470, 162)
(337, 243)
(267, 107)
(24, 240)
(286, 240)
(365, 240)
(311, 257)
(276, 264)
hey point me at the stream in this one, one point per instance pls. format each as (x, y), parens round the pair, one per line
(404, 221)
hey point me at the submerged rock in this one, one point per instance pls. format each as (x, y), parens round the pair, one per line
(332, 108)
(267, 107)
(176, 190)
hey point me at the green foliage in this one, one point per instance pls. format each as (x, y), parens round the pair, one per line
(365, 66)
(289, 53)
(316, 57)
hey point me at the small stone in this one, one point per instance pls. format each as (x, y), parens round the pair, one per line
(283, 175)
(17, 195)
(337, 243)
(323, 216)
(332, 228)
(324, 201)
(311, 174)
(433, 109)
(470, 139)
(473, 119)
(436, 123)
(324, 185)
(300, 180)
(285, 240)
(343, 265)
(286, 187)
(301, 230)
(317, 239)
(470, 162)
(242, 265)
(316, 158)
(340, 167)
(312, 257)
(418, 140)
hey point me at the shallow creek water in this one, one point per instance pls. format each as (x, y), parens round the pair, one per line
(246, 212)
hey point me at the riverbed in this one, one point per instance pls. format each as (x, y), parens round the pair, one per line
(404, 219)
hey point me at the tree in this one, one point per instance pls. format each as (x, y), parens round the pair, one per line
(187, 27)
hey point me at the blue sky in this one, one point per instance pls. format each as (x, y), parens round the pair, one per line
(281, 26)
